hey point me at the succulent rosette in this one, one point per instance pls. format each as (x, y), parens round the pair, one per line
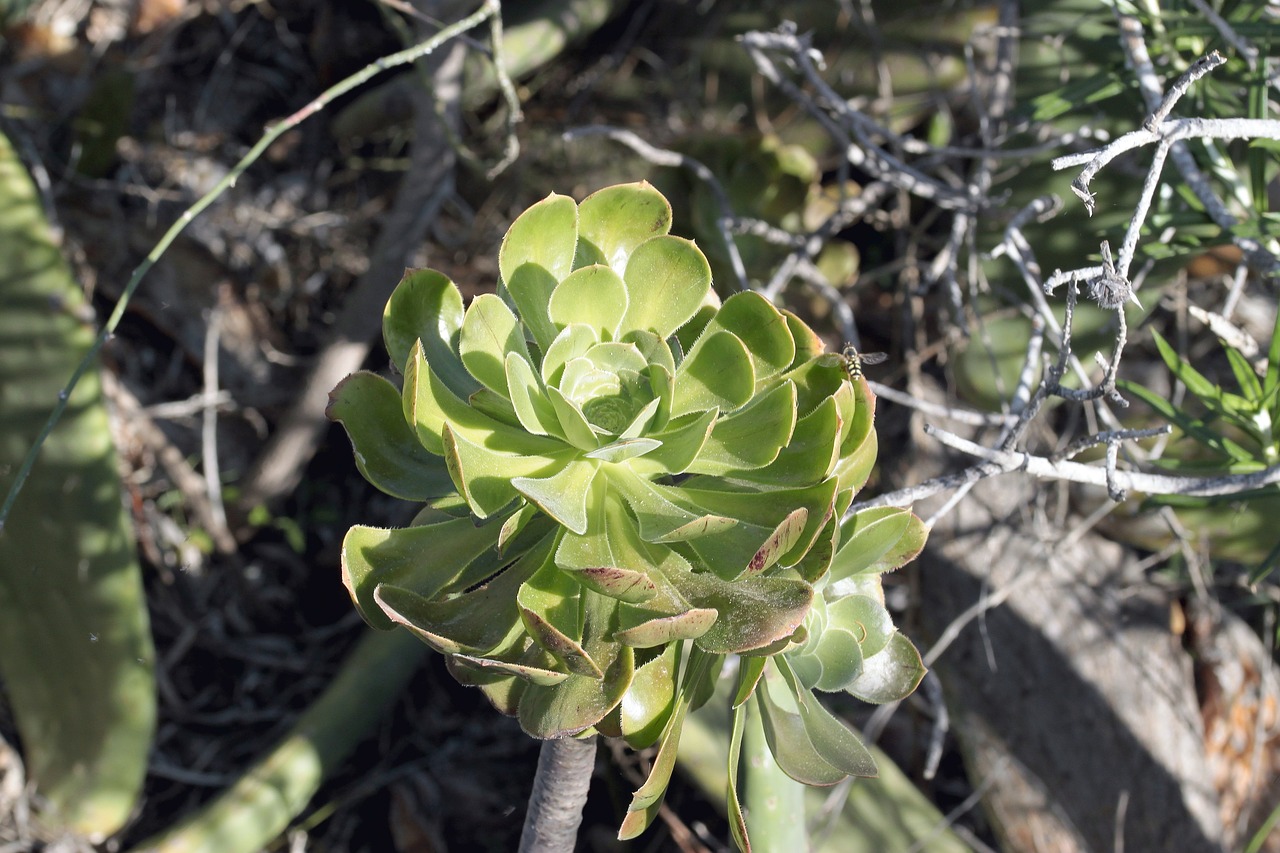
(626, 481)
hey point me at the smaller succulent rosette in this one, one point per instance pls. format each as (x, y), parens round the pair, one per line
(625, 480)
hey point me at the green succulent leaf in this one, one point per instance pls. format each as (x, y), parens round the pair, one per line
(550, 606)
(485, 477)
(531, 675)
(763, 330)
(425, 310)
(892, 674)
(788, 737)
(754, 611)
(592, 296)
(865, 618)
(425, 560)
(580, 701)
(681, 443)
(615, 221)
(475, 622)
(869, 536)
(750, 671)
(644, 803)
(387, 451)
(838, 660)
(716, 374)
(563, 495)
(489, 332)
(572, 342)
(665, 476)
(858, 449)
(529, 399)
(750, 437)
(667, 280)
(648, 629)
(649, 702)
(536, 254)
(429, 405)
(833, 740)
(811, 453)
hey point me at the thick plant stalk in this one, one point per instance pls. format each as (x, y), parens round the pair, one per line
(260, 806)
(559, 793)
(774, 801)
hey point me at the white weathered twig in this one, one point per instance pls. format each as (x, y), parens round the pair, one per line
(1075, 472)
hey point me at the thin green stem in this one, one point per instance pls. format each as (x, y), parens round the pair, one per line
(489, 9)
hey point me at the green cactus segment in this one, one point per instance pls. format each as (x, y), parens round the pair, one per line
(650, 481)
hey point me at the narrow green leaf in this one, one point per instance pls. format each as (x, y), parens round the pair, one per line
(1245, 376)
(387, 450)
(737, 822)
(1194, 380)
(1191, 426)
(1271, 383)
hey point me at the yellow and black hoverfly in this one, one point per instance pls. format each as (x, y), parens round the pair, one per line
(854, 360)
